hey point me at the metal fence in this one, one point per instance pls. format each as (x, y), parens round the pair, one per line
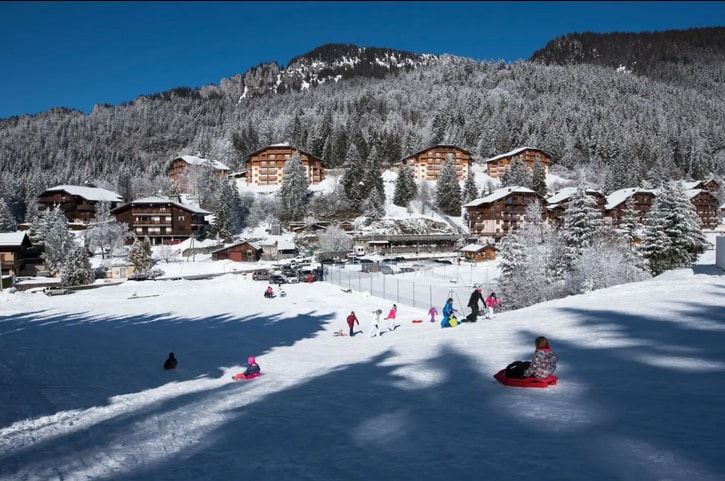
(428, 288)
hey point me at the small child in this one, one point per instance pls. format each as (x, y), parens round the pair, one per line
(170, 363)
(432, 312)
(544, 362)
(391, 317)
(374, 331)
(253, 368)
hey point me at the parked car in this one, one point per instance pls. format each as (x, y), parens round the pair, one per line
(261, 275)
(57, 291)
(279, 279)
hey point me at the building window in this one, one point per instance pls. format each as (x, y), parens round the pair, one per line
(180, 218)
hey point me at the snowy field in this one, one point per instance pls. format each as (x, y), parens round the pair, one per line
(641, 394)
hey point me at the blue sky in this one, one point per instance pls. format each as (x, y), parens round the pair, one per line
(77, 54)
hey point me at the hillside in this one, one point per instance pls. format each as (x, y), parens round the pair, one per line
(609, 126)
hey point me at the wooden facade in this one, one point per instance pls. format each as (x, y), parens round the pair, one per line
(179, 166)
(558, 202)
(13, 249)
(705, 204)
(708, 184)
(426, 164)
(266, 166)
(617, 203)
(502, 212)
(239, 252)
(403, 244)
(479, 252)
(162, 219)
(496, 166)
(78, 203)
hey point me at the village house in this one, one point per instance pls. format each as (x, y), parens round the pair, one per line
(496, 166)
(182, 168)
(390, 245)
(705, 204)
(558, 202)
(616, 206)
(708, 184)
(243, 251)
(479, 252)
(78, 203)
(426, 164)
(266, 166)
(162, 219)
(14, 247)
(502, 212)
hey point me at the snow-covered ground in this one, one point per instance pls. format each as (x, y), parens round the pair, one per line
(83, 395)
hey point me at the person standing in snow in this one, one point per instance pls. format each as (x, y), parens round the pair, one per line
(374, 330)
(473, 301)
(491, 302)
(391, 317)
(448, 311)
(351, 321)
(432, 312)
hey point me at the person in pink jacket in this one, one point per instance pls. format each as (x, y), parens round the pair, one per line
(491, 302)
(391, 317)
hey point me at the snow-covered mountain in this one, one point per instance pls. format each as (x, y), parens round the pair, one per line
(327, 63)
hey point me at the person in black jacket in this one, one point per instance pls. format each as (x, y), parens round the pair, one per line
(476, 296)
(170, 363)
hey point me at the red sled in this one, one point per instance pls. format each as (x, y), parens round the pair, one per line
(242, 377)
(550, 380)
(417, 321)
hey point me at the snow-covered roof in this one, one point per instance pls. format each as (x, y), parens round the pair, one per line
(472, 248)
(691, 185)
(12, 239)
(513, 152)
(621, 195)
(499, 194)
(88, 193)
(194, 160)
(280, 144)
(565, 194)
(156, 199)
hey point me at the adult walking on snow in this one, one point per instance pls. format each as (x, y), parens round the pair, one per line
(351, 321)
(374, 324)
(491, 302)
(473, 301)
(391, 317)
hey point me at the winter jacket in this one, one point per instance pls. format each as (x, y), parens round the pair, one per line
(543, 364)
(448, 310)
(432, 312)
(170, 363)
(252, 369)
(352, 320)
(492, 301)
(391, 314)
(475, 298)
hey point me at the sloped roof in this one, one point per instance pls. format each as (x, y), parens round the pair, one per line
(283, 144)
(499, 194)
(13, 239)
(694, 192)
(89, 193)
(157, 199)
(621, 195)
(514, 152)
(439, 145)
(472, 248)
(566, 193)
(235, 244)
(194, 160)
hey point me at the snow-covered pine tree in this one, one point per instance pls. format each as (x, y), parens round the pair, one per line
(629, 226)
(58, 240)
(293, 193)
(517, 173)
(538, 179)
(448, 190)
(374, 206)
(223, 226)
(7, 221)
(140, 255)
(373, 179)
(582, 222)
(470, 191)
(76, 269)
(405, 188)
(352, 178)
(105, 232)
(424, 196)
(672, 237)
